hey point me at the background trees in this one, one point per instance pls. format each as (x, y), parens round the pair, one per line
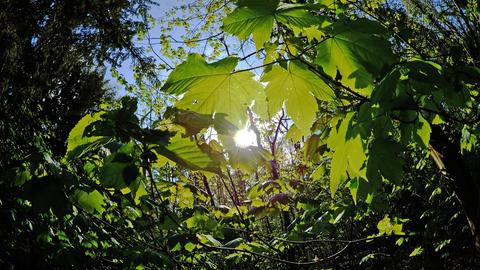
(363, 115)
(450, 38)
(53, 56)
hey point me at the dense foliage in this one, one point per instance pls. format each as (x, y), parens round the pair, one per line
(52, 56)
(362, 151)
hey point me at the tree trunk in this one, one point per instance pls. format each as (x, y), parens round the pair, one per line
(463, 169)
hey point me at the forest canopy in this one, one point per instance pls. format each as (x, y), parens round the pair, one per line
(276, 134)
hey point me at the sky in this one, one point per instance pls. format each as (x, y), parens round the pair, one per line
(158, 12)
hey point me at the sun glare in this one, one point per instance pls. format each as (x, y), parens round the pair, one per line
(245, 138)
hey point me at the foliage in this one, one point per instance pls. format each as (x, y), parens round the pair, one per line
(365, 154)
(50, 77)
(53, 56)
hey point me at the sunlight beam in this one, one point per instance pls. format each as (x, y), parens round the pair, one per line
(245, 138)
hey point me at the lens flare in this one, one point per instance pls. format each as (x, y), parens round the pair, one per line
(245, 138)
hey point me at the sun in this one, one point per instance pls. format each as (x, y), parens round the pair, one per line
(245, 138)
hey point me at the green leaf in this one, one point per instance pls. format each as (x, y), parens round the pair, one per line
(252, 18)
(469, 140)
(295, 134)
(383, 160)
(258, 17)
(235, 242)
(23, 175)
(425, 72)
(183, 196)
(389, 227)
(200, 221)
(349, 154)
(417, 132)
(195, 122)
(195, 68)
(338, 168)
(356, 156)
(192, 122)
(353, 186)
(417, 251)
(373, 119)
(297, 87)
(139, 192)
(384, 92)
(297, 17)
(311, 148)
(189, 246)
(440, 245)
(118, 171)
(384, 226)
(90, 201)
(318, 173)
(123, 124)
(357, 51)
(328, 3)
(248, 158)
(367, 258)
(185, 152)
(208, 239)
(423, 131)
(213, 88)
(312, 33)
(77, 143)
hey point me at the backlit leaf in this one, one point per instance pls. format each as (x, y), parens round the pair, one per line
(208, 239)
(258, 17)
(252, 17)
(77, 143)
(195, 122)
(424, 131)
(185, 152)
(90, 201)
(353, 186)
(248, 158)
(356, 51)
(195, 68)
(297, 88)
(338, 168)
(417, 251)
(417, 132)
(349, 154)
(213, 88)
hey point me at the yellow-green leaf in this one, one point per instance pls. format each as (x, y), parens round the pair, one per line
(417, 251)
(297, 88)
(356, 51)
(338, 168)
(349, 153)
(214, 88)
(77, 144)
(185, 152)
(424, 131)
(90, 201)
(257, 18)
(195, 68)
